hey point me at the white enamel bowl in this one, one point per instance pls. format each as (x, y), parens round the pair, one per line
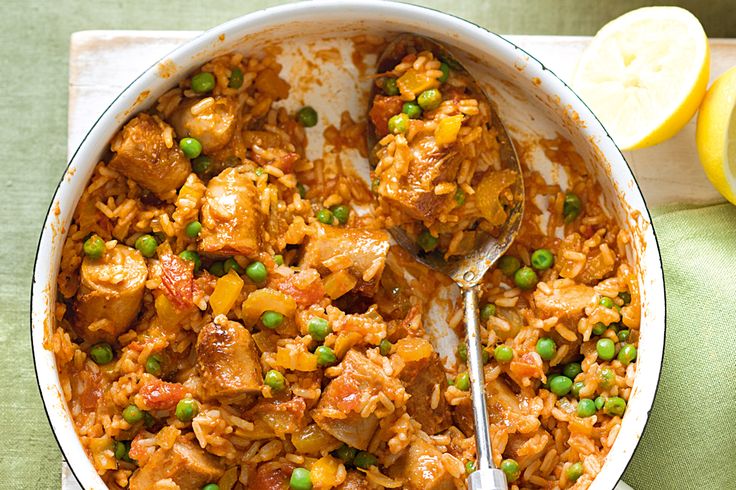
(529, 98)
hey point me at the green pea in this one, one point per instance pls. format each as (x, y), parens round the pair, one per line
(212, 486)
(625, 296)
(390, 87)
(623, 335)
(192, 256)
(146, 245)
(94, 247)
(430, 99)
(385, 347)
(272, 319)
(445, 73)
(101, 353)
(236, 78)
(346, 453)
(546, 348)
(217, 269)
(576, 388)
(275, 380)
(526, 278)
(365, 460)
(412, 110)
(319, 328)
(186, 409)
(606, 349)
(153, 365)
(485, 356)
(607, 378)
(469, 467)
(300, 479)
(488, 310)
(462, 352)
(121, 449)
(201, 164)
(324, 216)
(599, 328)
(503, 353)
(571, 207)
(132, 414)
(627, 354)
(574, 471)
(193, 229)
(509, 265)
(511, 468)
(231, 264)
(341, 213)
(307, 116)
(600, 402)
(398, 124)
(148, 420)
(542, 259)
(325, 356)
(606, 301)
(572, 370)
(615, 406)
(302, 189)
(459, 196)
(586, 408)
(427, 241)
(203, 82)
(257, 272)
(560, 385)
(462, 382)
(279, 259)
(191, 147)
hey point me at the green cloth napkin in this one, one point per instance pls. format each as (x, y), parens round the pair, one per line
(690, 438)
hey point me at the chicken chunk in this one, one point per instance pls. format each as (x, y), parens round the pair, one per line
(361, 252)
(231, 218)
(421, 468)
(110, 294)
(213, 124)
(141, 154)
(185, 464)
(228, 360)
(338, 411)
(500, 399)
(421, 379)
(567, 302)
(271, 476)
(414, 192)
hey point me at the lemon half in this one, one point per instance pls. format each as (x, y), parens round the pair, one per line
(644, 74)
(715, 135)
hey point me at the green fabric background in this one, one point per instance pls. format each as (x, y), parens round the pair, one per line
(691, 437)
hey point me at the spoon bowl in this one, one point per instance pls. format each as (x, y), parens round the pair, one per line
(467, 269)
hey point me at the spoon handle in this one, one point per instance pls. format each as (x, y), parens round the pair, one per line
(486, 476)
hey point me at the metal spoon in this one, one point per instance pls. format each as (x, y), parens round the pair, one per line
(468, 270)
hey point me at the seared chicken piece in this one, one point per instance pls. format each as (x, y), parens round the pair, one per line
(362, 252)
(421, 468)
(110, 294)
(228, 360)
(565, 302)
(271, 476)
(421, 379)
(185, 464)
(230, 215)
(500, 399)
(142, 155)
(414, 192)
(338, 410)
(213, 125)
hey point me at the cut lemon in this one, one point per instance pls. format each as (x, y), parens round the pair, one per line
(715, 135)
(644, 74)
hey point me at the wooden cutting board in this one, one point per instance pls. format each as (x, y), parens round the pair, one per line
(103, 63)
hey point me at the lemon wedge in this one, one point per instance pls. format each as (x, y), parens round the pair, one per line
(715, 135)
(644, 74)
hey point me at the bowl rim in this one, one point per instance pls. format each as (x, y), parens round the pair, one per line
(201, 42)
